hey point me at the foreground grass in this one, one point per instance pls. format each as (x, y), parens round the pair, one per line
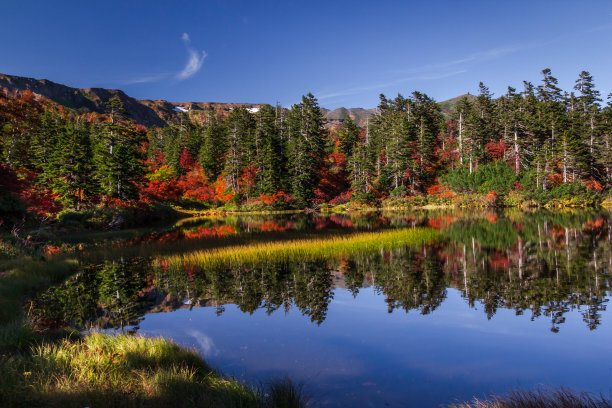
(539, 398)
(307, 249)
(101, 370)
(62, 368)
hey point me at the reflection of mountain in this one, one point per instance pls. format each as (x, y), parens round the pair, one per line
(547, 266)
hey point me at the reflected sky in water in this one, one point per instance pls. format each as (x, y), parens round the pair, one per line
(361, 355)
(498, 301)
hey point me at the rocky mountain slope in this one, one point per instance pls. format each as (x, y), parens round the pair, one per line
(160, 112)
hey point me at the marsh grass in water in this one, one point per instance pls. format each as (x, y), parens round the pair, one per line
(306, 249)
(100, 370)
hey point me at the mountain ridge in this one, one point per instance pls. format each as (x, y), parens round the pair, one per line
(160, 112)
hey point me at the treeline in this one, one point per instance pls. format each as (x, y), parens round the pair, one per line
(528, 142)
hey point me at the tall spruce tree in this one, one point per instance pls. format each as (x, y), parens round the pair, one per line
(73, 164)
(119, 156)
(306, 145)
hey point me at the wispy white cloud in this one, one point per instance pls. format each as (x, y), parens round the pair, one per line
(359, 89)
(480, 56)
(145, 79)
(194, 62)
(435, 71)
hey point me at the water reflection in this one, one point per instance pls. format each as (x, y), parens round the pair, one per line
(544, 264)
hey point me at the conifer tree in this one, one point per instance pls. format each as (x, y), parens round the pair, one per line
(73, 165)
(119, 158)
(306, 145)
(268, 151)
(348, 135)
(211, 155)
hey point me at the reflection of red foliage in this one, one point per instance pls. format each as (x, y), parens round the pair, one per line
(441, 221)
(558, 231)
(341, 221)
(491, 217)
(163, 263)
(213, 232)
(499, 261)
(598, 223)
(190, 271)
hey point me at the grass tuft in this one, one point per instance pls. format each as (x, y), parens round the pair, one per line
(100, 370)
(539, 398)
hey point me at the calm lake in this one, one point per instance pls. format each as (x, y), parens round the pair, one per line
(487, 302)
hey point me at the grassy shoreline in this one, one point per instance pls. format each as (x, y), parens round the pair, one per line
(99, 370)
(62, 368)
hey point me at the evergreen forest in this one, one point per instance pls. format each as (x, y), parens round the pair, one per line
(535, 146)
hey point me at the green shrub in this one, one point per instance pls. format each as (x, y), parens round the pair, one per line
(496, 176)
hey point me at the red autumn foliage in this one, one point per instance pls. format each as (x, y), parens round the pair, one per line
(222, 192)
(161, 191)
(248, 179)
(279, 196)
(491, 196)
(593, 185)
(195, 185)
(186, 160)
(555, 180)
(439, 190)
(156, 161)
(342, 198)
(333, 179)
(496, 150)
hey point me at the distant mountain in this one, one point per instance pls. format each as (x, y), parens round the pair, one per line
(339, 115)
(145, 112)
(449, 106)
(160, 112)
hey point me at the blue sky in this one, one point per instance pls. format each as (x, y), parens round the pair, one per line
(345, 53)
